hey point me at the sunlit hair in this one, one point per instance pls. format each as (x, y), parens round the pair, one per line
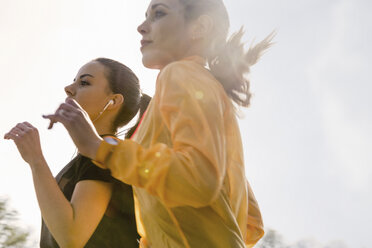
(122, 80)
(227, 58)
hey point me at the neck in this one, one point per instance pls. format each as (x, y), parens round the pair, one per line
(198, 48)
(102, 126)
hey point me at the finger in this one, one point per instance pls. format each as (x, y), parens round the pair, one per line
(28, 125)
(52, 119)
(55, 112)
(60, 110)
(70, 108)
(22, 127)
(18, 131)
(13, 134)
(56, 118)
(30, 128)
(64, 110)
(10, 136)
(51, 124)
(70, 111)
(7, 136)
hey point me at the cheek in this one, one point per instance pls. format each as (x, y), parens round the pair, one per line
(89, 101)
(171, 35)
(85, 103)
(169, 46)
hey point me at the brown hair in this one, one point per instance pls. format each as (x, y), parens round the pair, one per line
(227, 58)
(122, 80)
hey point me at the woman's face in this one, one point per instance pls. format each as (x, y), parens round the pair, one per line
(165, 34)
(90, 88)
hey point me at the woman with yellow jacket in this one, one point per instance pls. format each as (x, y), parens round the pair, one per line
(185, 161)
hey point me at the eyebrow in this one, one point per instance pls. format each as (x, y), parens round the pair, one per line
(84, 75)
(156, 5)
(159, 4)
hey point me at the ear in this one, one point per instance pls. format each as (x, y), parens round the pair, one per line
(202, 27)
(118, 100)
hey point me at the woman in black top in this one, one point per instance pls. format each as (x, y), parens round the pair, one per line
(84, 206)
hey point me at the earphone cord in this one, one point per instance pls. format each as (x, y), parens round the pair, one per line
(74, 154)
(122, 132)
(103, 110)
(99, 115)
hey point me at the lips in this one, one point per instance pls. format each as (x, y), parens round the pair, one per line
(145, 43)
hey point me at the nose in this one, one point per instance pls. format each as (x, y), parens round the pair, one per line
(69, 89)
(143, 28)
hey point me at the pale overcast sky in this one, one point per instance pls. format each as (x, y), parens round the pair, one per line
(307, 135)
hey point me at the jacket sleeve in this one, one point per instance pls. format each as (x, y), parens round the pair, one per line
(191, 170)
(255, 229)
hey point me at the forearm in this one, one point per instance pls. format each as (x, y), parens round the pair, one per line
(70, 223)
(178, 177)
(56, 210)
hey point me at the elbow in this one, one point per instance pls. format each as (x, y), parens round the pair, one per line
(208, 190)
(204, 195)
(205, 192)
(195, 196)
(209, 194)
(208, 185)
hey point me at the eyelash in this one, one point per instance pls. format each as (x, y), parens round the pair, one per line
(84, 83)
(158, 14)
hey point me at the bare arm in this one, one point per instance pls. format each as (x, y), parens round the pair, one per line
(71, 223)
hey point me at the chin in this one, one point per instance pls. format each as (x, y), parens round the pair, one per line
(149, 63)
(154, 60)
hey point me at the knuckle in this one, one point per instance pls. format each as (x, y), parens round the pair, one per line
(63, 105)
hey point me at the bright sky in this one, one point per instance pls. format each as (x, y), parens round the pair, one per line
(307, 135)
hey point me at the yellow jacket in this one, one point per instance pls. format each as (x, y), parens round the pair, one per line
(185, 163)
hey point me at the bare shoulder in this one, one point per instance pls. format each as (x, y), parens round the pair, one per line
(94, 189)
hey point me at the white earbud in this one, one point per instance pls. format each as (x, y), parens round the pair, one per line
(104, 108)
(107, 105)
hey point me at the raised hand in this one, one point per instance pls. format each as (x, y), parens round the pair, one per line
(27, 139)
(78, 125)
